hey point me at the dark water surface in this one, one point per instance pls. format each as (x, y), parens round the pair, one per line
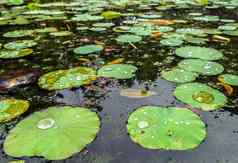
(113, 144)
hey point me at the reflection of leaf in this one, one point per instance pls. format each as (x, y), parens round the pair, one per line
(229, 90)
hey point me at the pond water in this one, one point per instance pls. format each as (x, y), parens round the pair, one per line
(150, 56)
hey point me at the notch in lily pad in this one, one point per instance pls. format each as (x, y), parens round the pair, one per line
(200, 96)
(155, 127)
(44, 133)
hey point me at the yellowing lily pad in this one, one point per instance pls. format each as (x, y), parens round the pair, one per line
(9, 54)
(87, 49)
(229, 79)
(55, 133)
(111, 15)
(118, 71)
(199, 52)
(155, 127)
(136, 93)
(62, 79)
(179, 75)
(201, 66)
(11, 108)
(200, 96)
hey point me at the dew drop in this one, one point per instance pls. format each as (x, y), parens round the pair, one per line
(46, 123)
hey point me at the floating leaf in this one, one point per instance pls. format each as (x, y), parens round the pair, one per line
(201, 66)
(229, 79)
(229, 90)
(111, 15)
(200, 96)
(199, 52)
(171, 42)
(116, 61)
(61, 33)
(87, 49)
(126, 38)
(45, 133)
(118, 71)
(62, 79)
(10, 54)
(155, 127)
(136, 93)
(12, 108)
(179, 75)
(21, 44)
(18, 33)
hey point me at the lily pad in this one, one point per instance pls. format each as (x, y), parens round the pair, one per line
(136, 93)
(201, 96)
(9, 54)
(87, 49)
(179, 75)
(171, 42)
(45, 133)
(61, 33)
(62, 79)
(201, 66)
(18, 33)
(127, 38)
(21, 44)
(199, 52)
(108, 15)
(11, 108)
(229, 79)
(155, 127)
(118, 71)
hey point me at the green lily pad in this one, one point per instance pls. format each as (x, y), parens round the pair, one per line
(9, 54)
(12, 108)
(201, 66)
(207, 18)
(15, 2)
(200, 96)
(87, 49)
(62, 79)
(191, 31)
(55, 133)
(231, 33)
(18, 33)
(127, 38)
(141, 30)
(118, 71)
(87, 17)
(61, 33)
(171, 42)
(199, 52)
(179, 75)
(108, 15)
(227, 27)
(155, 127)
(21, 44)
(229, 79)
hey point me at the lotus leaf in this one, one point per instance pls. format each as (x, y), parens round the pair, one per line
(118, 71)
(155, 127)
(201, 66)
(87, 17)
(108, 15)
(171, 42)
(127, 38)
(11, 108)
(200, 96)
(22, 44)
(179, 75)
(141, 30)
(87, 49)
(55, 133)
(229, 79)
(199, 52)
(62, 79)
(9, 54)
(191, 31)
(18, 33)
